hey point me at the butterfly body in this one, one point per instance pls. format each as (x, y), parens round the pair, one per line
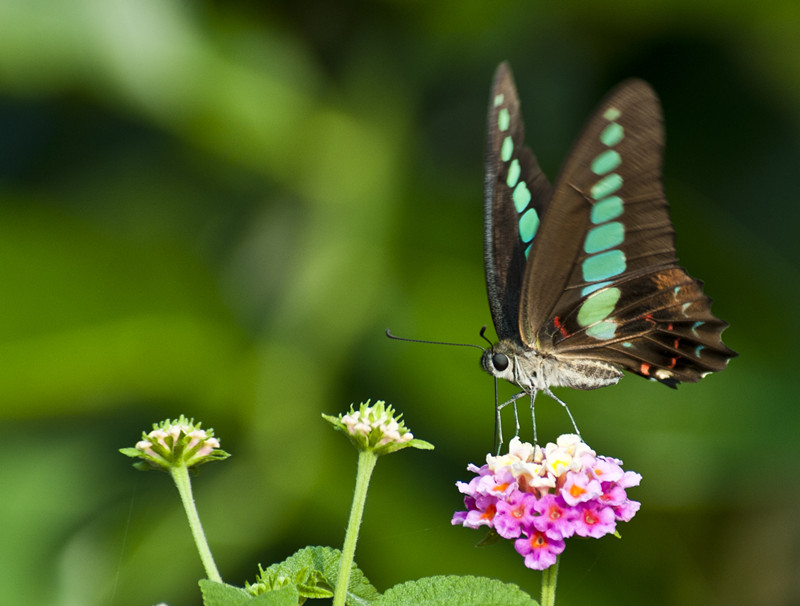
(582, 276)
(535, 371)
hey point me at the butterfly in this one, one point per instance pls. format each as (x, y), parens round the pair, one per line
(582, 276)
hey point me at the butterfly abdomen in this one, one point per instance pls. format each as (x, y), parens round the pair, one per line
(581, 374)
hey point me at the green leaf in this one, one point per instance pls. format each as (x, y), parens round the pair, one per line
(221, 594)
(312, 572)
(448, 590)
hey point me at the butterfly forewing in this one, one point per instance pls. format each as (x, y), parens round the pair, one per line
(608, 201)
(515, 198)
(598, 279)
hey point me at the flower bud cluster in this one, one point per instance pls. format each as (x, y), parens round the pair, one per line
(377, 422)
(376, 427)
(173, 443)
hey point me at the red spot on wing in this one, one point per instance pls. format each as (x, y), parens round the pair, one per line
(644, 369)
(560, 327)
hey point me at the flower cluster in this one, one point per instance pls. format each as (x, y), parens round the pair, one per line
(173, 443)
(376, 427)
(541, 496)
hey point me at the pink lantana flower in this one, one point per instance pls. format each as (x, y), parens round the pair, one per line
(513, 514)
(539, 550)
(595, 521)
(579, 487)
(541, 496)
(556, 519)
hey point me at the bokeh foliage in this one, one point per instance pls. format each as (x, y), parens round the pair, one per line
(216, 208)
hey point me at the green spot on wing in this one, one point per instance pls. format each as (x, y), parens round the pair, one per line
(603, 266)
(611, 114)
(503, 119)
(606, 186)
(513, 173)
(612, 134)
(587, 290)
(605, 162)
(528, 225)
(521, 196)
(602, 330)
(598, 307)
(507, 149)
(606, 209)
(604, 237)
(498, 99)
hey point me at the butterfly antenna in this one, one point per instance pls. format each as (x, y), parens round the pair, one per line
(484, 337)
(396, 338)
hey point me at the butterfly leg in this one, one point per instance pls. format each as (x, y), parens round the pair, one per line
(498, 408)
(571, 418)
(498, 431)
(498, 422)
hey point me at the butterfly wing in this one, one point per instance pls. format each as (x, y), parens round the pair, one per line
(603, 280)
(516, 196)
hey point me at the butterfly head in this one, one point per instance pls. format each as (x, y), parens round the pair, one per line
(502, 360)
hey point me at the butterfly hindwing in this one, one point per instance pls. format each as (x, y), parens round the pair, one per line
(662, 329)
(516, 196)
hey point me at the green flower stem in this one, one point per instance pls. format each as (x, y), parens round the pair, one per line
(180, 474)
(366, 463)
(549, 579)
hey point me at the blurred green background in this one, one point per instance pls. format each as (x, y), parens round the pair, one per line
(217, 208)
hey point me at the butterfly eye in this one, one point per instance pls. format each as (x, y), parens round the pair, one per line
(500, 361)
